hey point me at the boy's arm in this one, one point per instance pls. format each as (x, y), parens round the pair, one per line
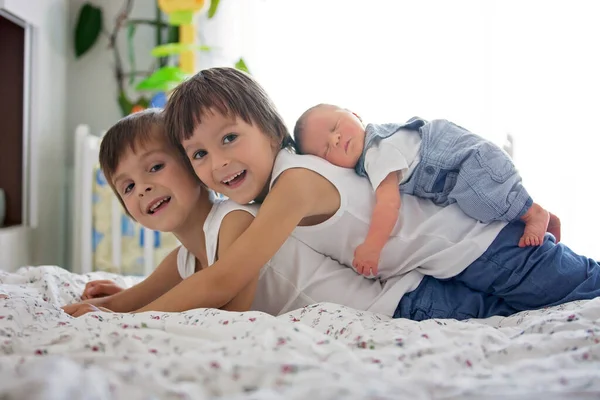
(298, 193)
(233, 225)
(385, 213)
(164, 277)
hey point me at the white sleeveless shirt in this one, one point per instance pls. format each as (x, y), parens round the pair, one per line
(437, 241)
(298, 276)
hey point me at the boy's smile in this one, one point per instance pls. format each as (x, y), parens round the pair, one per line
(157, 205)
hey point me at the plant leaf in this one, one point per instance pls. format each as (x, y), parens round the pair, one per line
(124, 104)
(212, 10)
(164, 79)
(241, 65)
(176, 48)
(131, 50)
(87, 29)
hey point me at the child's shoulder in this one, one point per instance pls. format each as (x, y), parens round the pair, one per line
(223, 207)
(287, 159)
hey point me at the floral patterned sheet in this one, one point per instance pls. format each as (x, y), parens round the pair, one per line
(324, 351)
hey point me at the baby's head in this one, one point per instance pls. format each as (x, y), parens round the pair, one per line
(230, 131)
(330, 132)
(151, 177)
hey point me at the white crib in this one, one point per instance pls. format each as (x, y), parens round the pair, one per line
(103, 236)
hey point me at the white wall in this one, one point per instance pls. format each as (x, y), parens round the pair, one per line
(50, 134)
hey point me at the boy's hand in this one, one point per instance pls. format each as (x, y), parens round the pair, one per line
(79, 309)
(100, 288)
(366, 259)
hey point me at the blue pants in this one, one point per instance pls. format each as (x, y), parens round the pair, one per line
(504, 280)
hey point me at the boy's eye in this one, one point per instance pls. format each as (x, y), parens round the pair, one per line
(128, 188)
(229, 138)
(199, 155)
(157, 167)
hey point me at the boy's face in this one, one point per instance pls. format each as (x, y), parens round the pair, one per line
(158, 191)
(231, 157)
(335, 134)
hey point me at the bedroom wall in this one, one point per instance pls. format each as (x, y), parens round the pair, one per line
(50, 135)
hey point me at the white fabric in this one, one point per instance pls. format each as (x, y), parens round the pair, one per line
(437, 241)
(397, 153)
(296, 276)
(186, 262)
(324, 351)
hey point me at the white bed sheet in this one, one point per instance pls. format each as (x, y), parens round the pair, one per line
(324, 351)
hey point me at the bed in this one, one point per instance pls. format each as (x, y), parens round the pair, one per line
(103, 237)
(323, 351)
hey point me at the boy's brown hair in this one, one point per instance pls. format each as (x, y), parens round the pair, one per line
(129, 133)
(230, 92)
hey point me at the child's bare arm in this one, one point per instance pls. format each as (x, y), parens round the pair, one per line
(297, 194)
(233, 225)
(385, 215)
(164, 277)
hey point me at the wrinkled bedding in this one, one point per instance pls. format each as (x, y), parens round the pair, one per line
(324, 351)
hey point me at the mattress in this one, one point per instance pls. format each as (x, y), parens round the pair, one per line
(322, 351)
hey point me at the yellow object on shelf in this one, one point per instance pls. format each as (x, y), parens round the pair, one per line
(169, 6)
(181, 13)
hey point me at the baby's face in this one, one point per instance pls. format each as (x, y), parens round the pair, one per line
(335, 134)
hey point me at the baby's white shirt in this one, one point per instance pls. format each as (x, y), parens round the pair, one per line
(397, 153)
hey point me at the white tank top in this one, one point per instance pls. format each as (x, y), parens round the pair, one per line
(437, 241)
(297, 276)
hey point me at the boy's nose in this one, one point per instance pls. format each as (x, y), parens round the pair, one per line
(146, 190)
(219, 162)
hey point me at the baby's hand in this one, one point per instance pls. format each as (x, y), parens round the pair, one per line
(366, 259)
(79, 309)
(100, 288)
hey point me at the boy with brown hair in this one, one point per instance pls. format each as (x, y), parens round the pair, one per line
(157, 187)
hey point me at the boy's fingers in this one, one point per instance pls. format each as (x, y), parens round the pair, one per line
(79, 309)
(104, 289)
(70, 309)
(98, 282)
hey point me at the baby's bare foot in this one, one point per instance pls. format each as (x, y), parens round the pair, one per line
(554, 227)
(536, 222)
